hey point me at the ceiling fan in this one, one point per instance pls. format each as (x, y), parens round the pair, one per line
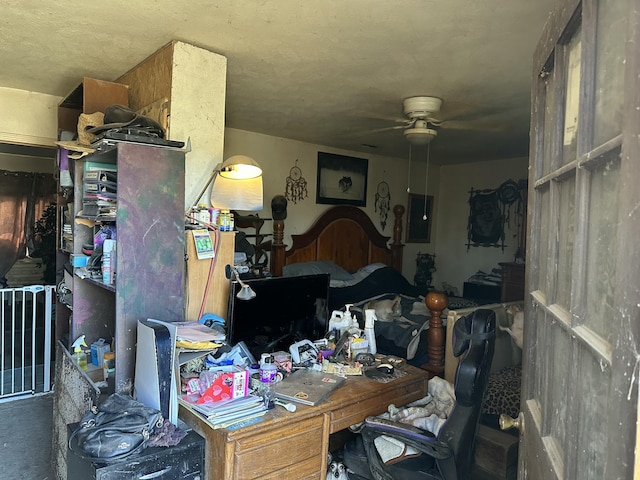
(422, 124)
(419, 111)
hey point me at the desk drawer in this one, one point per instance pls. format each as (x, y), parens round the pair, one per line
(296, 449)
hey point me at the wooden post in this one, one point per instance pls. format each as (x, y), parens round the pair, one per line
(397, 245)
(277, 248)
(436, 302)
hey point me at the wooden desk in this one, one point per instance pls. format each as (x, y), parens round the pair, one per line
(295, 445)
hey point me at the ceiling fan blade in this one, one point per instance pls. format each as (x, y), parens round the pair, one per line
(388, 118)
(376, 130)
(466, 125)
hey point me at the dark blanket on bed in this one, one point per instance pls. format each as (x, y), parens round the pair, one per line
(381, 281)
(405, 336)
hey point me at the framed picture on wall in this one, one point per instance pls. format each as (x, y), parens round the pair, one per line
(342, 180)
(419, 229)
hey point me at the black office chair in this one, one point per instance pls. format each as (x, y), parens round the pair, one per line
(449, 456)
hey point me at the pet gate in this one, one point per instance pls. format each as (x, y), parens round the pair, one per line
(26, 321)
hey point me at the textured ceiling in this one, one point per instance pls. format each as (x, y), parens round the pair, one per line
(325, 72)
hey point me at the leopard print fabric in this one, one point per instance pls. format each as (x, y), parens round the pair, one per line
(503, 392)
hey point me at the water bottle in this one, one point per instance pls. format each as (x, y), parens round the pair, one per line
(268, 374)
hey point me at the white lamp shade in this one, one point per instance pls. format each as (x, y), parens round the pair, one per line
(240, 167)
(230, 194)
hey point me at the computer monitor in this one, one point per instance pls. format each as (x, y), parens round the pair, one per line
(285, 310)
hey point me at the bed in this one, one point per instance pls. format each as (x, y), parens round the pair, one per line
(344, 242)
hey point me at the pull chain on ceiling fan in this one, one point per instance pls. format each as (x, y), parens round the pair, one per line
(426, 181)
(409, 172)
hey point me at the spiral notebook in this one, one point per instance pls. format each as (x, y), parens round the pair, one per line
(308, 387)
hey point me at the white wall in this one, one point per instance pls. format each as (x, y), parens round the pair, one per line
(19, 163)
(454, 262)
(28, 117)
(278, 155)
(198, 93)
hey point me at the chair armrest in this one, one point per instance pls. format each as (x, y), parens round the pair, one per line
(420, 439)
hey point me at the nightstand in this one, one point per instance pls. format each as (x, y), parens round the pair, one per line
(481, 293)
(512, 282)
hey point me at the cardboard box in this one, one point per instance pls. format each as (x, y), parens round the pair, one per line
(89, 97)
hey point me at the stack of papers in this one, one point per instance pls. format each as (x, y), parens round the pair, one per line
(196, 336)
(228, 413)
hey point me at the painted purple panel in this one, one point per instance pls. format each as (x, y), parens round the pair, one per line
(150, 229)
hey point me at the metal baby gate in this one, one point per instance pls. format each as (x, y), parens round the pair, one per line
(26, 322)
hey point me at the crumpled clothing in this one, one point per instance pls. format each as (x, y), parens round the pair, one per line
(168, 435)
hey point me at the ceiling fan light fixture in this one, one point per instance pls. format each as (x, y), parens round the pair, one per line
(420, 136)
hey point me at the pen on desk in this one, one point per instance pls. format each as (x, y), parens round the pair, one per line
(288, 406)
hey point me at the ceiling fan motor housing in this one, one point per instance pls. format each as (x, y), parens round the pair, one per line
(421, 107)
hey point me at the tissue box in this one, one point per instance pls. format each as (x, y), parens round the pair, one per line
(230, 382)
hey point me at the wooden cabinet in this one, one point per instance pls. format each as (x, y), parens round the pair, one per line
(148, 227)
(512, 282)
(481, 293)
(203, 285)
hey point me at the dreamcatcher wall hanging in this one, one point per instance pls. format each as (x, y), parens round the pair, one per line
(296, 188)
(383, 202)
(489, 211)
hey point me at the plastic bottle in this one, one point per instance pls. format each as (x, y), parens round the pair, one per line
(369, 330)
(204, 217)
(349, 319)
(224, 221)
(78, 355)
(108, 365)
(268, 374)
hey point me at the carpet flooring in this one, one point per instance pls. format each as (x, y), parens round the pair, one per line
(25, 438)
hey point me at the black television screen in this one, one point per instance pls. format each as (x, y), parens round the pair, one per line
(285, 310)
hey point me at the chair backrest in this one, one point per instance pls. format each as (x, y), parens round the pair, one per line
(474, 339)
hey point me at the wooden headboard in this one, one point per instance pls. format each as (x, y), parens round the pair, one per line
(343, 234)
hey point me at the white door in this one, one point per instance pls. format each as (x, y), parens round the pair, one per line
(580, 366)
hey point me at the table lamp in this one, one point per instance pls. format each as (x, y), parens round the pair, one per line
(236, 184)
(246, 292)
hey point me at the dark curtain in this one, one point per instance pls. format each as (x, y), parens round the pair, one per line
(23, 198)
